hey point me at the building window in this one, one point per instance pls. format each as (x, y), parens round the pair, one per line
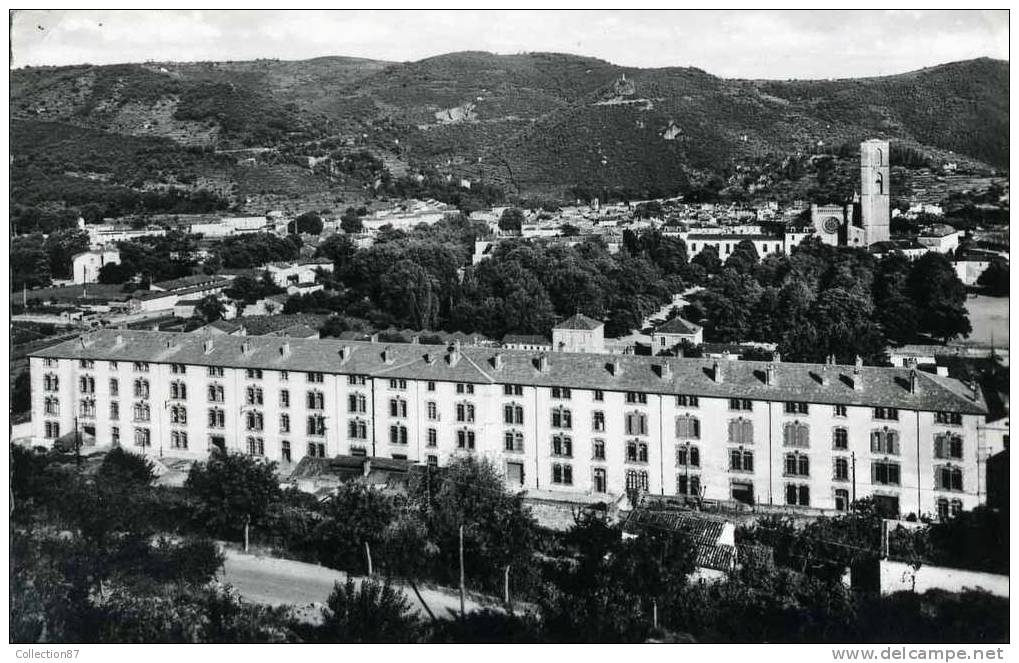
(433, 437)
(885, 473)
(316, 400)
(178, 369)
(688, 428)
(561, 392)
(115, 435)
(284, 376)
(884, 441)
(253, 373)
(741, 460)
(599, 395)
(465, 439)
(432, 460)
(598, 449)
(562, 418)
(52, 429)
(357, 429)
(688, 401)
(512, 390)
(430, 386)
(740, 404)
(356, 380)
(215, 371)
(600, 480)
(318, 450)
(636, 452)
(398, 384)
(284, 398)
(636, 423)
(256, 446)
(562, 445)
(841, 499)
(216, 393)
(217, 418)
(357, 403)
(796, 434)
(142, 437)
(949, 418)
(948, 445)
(316, 425)
(689, 485)
(886, 413)
(253, 396)
(114, 387)
(741, 431)
(796, 408)
(465, 412)
(840, 439)
(284, 423)
(948, 478)
(397, 407)
(513, 414)
(841, 411)
(513, 440)
(841, 470)
(797, 465)
(797, 494)
(87, 408)
(178, 391)
(179, 439)
(141, 367)
(254, 420)
(51, 405)
(598, 421)
(50, 382)
(636, 397)
(433, 411)
(636, 480)
(688, 455)
(398, 434)
(141, 388)
(316, 377)
(462, 388)
(52, 363)
(285, 451)
(562, 474)
(87, 384)
(141, 412)
(178, 414)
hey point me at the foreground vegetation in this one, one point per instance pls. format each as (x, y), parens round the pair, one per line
(99, 554)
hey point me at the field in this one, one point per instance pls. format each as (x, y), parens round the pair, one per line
(989, 317)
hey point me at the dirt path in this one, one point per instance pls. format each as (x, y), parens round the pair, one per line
(273, 581)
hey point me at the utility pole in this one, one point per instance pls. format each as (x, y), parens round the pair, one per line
(853, 457)
(77, 443)
(462, 585)
(368, 554)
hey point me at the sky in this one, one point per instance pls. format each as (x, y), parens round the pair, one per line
(728, 43)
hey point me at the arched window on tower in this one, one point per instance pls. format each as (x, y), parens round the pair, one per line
(880, 182)
(880, 157)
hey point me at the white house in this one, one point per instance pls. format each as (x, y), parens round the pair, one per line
(675, 331)
(85, 266)
(303, 271)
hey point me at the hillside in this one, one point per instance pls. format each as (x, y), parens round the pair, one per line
(279, 133)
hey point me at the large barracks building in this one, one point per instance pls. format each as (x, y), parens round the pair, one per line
(803, 435)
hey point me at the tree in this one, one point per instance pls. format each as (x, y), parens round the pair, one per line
(350, 222)
(354, 516)
(116, 272)
(708, 259)
(410, 294)
(512, 220)
(375, 612)
(210, 308)
(939, 296)
(61, 246)
(995, 278)
(30, 264)
(308, 223)
(744, 257)
(232, 492)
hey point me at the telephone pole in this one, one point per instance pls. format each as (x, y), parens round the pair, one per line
(462, 585)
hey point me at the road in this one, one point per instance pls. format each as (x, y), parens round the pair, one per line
(273, 581)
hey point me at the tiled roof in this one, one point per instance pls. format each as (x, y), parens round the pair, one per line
(677, 325)
(525, 339)
(579, 321)
(718, 557)
(186, 282)
(877, 386)
(729, 237)
(159, 294)
(703, 528)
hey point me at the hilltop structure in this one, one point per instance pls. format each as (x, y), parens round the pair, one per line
(866, 221)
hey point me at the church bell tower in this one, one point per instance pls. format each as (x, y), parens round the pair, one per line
(875, 206)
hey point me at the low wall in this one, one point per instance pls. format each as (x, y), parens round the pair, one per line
(899, 576)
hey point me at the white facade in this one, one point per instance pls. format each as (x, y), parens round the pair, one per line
(85, 266)
(287, 274)
(608, 439)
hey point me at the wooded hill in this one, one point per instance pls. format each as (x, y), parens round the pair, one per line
(530, 124)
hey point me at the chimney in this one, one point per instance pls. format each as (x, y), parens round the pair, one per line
(666, 370)
(207, 346)
(542, 363)
(857, 365)
(120, 339)
(823, 375)
(344, 353)
(87, 339)
(285, 349)
(776, 357)
(769, 373)
(497, 361)
(454, 354)
(429, 358)
(914, 385)
(617, 366)
(155, 326)
(716, 372)
(387, 355)
(245, 348)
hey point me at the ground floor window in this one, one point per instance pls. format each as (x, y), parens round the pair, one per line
(742, 491)
(689, 485)
(600, 480)
(841, 499)
(562, 474)
(636, 480)
(797, 494)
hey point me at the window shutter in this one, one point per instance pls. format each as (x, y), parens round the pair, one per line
(696, 427)
(875, 442)
(893, 443)
(787, 435)
(939, 446)
(733, 435)
(748, 432)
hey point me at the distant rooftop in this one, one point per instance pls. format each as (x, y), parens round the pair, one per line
(579, 321)
(677, 325)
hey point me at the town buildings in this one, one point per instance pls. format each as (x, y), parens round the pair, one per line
(803, 435)
(85, 266)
